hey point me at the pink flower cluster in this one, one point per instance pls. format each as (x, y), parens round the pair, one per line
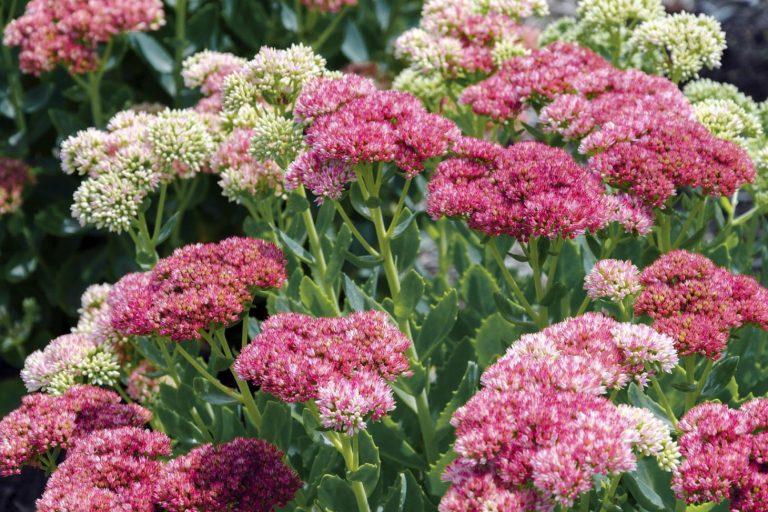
(725, 455)
(698, 303)
(614, 279)
(207, 70)
(46, 422)
(106, 471)
(542, 75)
(539, 430)
(638, 129)
(68, 32)
(241, 173)
(14, 175)
(247, 475)
(526, 190)
(343, 363)
(352, 123)
(197, 287)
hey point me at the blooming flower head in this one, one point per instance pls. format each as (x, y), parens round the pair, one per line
(45, 422)
(528, 189)
(197, 287)
(689, 42)
(280, 75)
(295, 354)
(207, 70)
(68, 33)
(14, 176)
(704, 89)
(142, 386)
(344, 403)
(61, 356)
(727, 120)
(247, 475)
(180, 143)
(243, 176)
(613, 279)
(114, 469)
(697, 303)
(353, 124)
(723, 455)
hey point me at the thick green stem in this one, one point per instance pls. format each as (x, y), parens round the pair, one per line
(159, 215)
(690, 379)
(321, 267)
(17, 95)
(180, 44)
(335, 19)
(693, 217)
(663, 233)
(664, 401)
(207, 376)
(355, 232)
(703, 380)
(584, 502)
(509, 278)
(350, 451)
(608, 497)
(245, 392)
(681, 506)
(370, 188)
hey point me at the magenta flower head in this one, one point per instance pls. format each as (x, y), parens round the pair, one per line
(68, 33)
(247, 475)
(697, 303)
(526, 190)
(543, 74)
(108, 470)
(14, 176)
(724, 452)
(354, 124)
(612, 279)
(197, 287)
(343, 363)
(47, 422)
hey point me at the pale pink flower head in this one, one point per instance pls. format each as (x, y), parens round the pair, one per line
(479, 490)
(698, 303)
(634, 216)
(60, 355)
(645, 350)
(47, 422)
(247, 475)
(324, 95)
(14, 176)
(295, 355)
(199, 286)
(68, 33)
(114, 469)
(325, 178)
(526, 190)
(345, 403)
(612, 279)
(142, 386)
(207, 70)
(242, 175)
(653, 436)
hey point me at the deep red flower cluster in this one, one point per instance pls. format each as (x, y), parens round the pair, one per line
(724, 454)
(698, 303)
(48, 422)
(352, 123)
(68, 32)
(197, 287)
(107, 471)
(247, 475)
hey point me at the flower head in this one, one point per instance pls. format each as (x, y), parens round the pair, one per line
(247, 475)
(142, 386)
(727, 120)
(333, 6)
(180, 143)
(295, 355)
(207, 70)
(242, 174)
(108, 470)
(14, 176)
(280, 75)
(344, 403)
(654, 438)
(617, 13)
(197, 287)
(613, 279)
(698, 303)
(690, 42)
(68, 33)
(46, 422)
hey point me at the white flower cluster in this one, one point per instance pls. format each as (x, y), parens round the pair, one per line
(279, 75)
(610, 14)
(653, 438)
(681, 44)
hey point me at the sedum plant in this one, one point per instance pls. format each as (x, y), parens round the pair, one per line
(525, 278)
